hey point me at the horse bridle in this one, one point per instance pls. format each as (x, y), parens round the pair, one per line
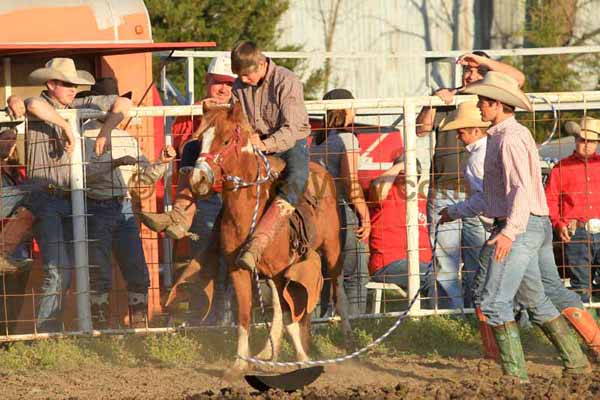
(203, 160)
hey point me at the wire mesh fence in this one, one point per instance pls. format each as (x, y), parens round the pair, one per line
(91, 266)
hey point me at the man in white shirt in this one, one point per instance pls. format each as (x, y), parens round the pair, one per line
(471, 131)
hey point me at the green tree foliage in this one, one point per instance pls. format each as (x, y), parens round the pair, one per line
(552, 23)
(223, 22)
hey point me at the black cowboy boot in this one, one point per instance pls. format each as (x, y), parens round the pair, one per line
(276, 216)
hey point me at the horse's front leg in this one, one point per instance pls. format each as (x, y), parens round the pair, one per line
(293, 329)
(242, 284)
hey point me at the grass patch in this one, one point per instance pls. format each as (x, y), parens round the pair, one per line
(429, 337)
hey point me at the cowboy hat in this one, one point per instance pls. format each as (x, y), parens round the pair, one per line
(588, 129)
(466, 116)
(501, 87)
(104, 87)
(61, 69)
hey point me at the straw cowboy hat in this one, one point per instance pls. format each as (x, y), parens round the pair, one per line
(466, 116)
(62, 69)
(504, 88)
(588, 129)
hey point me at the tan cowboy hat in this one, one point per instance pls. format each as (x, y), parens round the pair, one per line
(588, 129)
(61, 69)
(466, 116)
(504, 88)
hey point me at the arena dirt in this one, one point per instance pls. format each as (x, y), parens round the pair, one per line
(409, 377)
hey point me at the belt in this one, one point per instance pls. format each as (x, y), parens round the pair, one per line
(109, 200)
(592, 225)
(59, 193)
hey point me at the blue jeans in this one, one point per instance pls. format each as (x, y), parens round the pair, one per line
(53, 231)
(559, 295)
(397, 272)
(112, 229)
(582, 254)
(519, 276)
(355, 259)
(474, 237)
(447, 249)
(295, 175)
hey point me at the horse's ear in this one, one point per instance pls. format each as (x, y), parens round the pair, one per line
(208, 119)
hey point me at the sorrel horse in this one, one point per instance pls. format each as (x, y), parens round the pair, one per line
(228, 157)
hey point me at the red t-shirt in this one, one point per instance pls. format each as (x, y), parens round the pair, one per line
(388, 230)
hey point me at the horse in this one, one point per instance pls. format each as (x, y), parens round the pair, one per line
(230, 164)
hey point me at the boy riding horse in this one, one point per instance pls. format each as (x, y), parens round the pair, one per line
(272, 99)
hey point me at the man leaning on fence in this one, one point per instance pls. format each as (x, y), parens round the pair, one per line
(49, 144)
(522, 237)
(112, 178)
(446, 187)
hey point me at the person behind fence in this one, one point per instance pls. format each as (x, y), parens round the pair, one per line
(388, 262)
(446, 187)
(336, 148)
(471, 131)
(199, 216)
(16, 229)
(520, 245)
(574, 202)
(112, 227)
(49, 144)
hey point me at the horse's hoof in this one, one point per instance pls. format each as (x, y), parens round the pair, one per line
(266, 355)
(234, 373)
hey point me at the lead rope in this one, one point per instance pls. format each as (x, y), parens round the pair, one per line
(356, 353)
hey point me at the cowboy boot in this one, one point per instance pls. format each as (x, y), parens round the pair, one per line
(177, 222)
(511, 351)
(490, 347)
(584, 323)
(138, 310)
(561, 336)
(16, 229)
(100, 310)
(276, 216)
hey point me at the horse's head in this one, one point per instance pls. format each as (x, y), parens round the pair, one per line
(224, 133)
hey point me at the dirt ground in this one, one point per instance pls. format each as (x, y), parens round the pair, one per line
(407, 377)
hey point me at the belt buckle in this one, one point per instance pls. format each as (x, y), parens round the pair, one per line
(593, 225)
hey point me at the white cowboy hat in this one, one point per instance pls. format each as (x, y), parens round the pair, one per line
(466, 116)
(504, 88)
(588, 129)
(61, 69)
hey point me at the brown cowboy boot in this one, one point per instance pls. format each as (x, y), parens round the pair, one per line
(276, 216)
(586, 326)
(488, 341)
(177, 222)
(15, 230)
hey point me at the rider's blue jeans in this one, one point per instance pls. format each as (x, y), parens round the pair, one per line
(295, 175)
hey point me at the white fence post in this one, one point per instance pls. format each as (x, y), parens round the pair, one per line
(80, 244)
(412, 202)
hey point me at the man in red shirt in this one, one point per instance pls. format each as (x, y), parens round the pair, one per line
(177, 222)
(573, 196)
(388, 259)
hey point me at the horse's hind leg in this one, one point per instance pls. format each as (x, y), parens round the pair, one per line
(271, 349)
(242, 283)
(293, 329)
